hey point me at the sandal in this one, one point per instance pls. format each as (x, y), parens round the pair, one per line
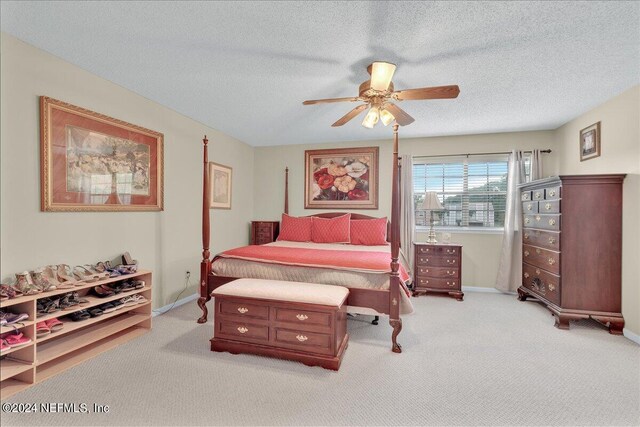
(95, 312)
(84, 275)
(102, 292)
(129, 301)
(139, 299)
(51, 273)
(138, 284)
(80, 315)
(42, 329)
(10, 291)
(66, 303)
(98, 274)
(42, 282)
(65, 276)
(108, 307)
(54, 324)
(3, 295)
(47, 306)
(25, 285)
(74, 297)
(116, 288)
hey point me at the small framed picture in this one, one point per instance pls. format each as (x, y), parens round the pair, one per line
(590, 142)
(220, 186)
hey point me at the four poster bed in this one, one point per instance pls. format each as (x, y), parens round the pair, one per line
(375, 286)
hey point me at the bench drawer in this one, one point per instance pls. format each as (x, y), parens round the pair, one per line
(303, 317)
(311, 342)
(242, 309)
(243, 331)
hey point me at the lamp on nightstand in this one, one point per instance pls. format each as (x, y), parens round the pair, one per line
(431, 204)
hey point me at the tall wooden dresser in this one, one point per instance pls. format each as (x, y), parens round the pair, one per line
(572, 247)
(438, 268)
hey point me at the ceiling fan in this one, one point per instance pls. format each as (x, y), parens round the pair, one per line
(378, 94)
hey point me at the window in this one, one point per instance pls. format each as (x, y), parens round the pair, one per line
(473, 191)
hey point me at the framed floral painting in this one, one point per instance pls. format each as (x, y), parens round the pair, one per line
(342, 178)
(219, 186)
(92, 162)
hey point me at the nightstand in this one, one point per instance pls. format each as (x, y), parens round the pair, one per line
(264, 232)
(438, 268)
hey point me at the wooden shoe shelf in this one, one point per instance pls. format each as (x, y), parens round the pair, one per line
(76, 342)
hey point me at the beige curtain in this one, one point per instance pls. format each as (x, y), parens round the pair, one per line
(407, 214)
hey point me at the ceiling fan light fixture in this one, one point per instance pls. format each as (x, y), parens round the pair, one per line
(381, 75)
(371, 118)
(386, 117)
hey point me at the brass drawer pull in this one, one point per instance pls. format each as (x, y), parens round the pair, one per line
(527, 220)
(243, 310)
(526, 253)
(242, 329)
(301, 317)
(538, 195)
(552, 261)
(301, 338)
(552, 193)
(529, 207)
(451, 251)
(538, 251)
(449, 261)
(552, 222)
(526, 236)
(552, 240)
(551, 287)
(452, 284)
(451, 273)
(537, 271)
(537, 217)
(526, 275)
(547, 206)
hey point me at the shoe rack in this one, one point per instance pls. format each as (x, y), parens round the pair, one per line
(76, 342)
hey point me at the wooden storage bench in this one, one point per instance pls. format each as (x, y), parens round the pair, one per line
(305, 322)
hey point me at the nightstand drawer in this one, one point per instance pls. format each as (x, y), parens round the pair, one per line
(429, 282)
(437, 261)
(437, 272)
(437, 250)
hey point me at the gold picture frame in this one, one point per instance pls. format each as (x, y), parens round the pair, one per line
(590, 142)
(220, 180)
(93, 162)
(341, 178)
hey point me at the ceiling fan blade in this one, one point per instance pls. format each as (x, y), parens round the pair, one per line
(401, 116)
(350, 115)
(381, 75)
(328, 100)
(436, 92)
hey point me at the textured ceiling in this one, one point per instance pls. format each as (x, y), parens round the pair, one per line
(245, 67)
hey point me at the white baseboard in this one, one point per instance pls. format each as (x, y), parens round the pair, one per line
(483, 289)
(163, 310)
(632, 336)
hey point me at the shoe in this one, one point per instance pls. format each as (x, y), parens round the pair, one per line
(101, 292)
(84, 275)
(117, 304)
(100, 275)
(139, 299)
(129, 301)
(16, 339)
(127, 260)
(4, 346)
(54, 324)
(75, 297)
(8, 318)
(80, 315)
(67, 302)
(65, 276)
(138, 284)
(42, 329)
(46, 306)
(95, 311)
(25, 285)
(108, 307)
(51, 273)
(3, 295)
(10, 291)
(127, 286)
(42, 282)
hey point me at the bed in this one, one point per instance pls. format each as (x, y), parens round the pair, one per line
(374, 289)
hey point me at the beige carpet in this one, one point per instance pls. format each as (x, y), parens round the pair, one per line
(488, 360)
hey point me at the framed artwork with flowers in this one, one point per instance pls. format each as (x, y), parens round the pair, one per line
(341, 178)
(92, 162)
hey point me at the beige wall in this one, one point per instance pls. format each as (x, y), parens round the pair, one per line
(481, 251)
(620, 130)
(166, 242)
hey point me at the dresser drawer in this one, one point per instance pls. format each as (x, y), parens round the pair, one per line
(525, 196)
(537, 195)
(543, 239)
(308, 341)
(541, 282)
(529, 207)
(451, 272)
(242, 309)
(437, 250)
(429, 282)
(543, 258)
(438, 261)
(549, 206)
(303, 317)
(544, 221)
(552, 193)
(243, 331)
(263, 227)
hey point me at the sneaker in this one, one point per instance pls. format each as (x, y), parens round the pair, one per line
(16, 340)
(11, 318)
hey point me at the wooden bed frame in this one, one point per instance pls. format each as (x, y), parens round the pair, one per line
(383, 301)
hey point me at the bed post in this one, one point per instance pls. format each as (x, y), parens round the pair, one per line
(394, 281)
(205, 265)
(286, 190)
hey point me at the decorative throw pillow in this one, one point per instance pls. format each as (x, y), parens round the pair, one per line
(331, 230)
(295, 229)
(369, 232)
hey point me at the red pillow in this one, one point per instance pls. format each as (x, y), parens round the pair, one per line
(295, 229)
(331, 230)
(370, 232)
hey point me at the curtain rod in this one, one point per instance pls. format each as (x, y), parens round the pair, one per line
(478, 154)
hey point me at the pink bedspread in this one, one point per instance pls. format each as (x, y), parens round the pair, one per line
(370, 262)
